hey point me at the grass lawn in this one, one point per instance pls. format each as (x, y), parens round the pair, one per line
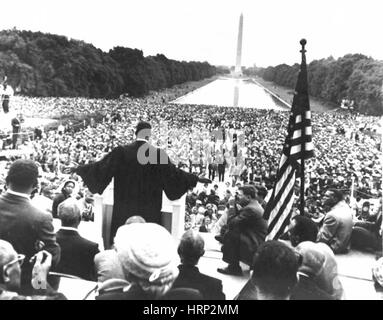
(287, 95)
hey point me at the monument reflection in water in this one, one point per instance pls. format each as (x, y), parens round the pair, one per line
(236, 93)
(232, 92)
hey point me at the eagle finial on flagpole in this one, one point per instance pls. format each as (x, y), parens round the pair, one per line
(303, 43)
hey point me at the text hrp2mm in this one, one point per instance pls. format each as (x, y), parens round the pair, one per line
(211, 309)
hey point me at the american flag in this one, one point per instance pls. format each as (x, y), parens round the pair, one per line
(298, 146)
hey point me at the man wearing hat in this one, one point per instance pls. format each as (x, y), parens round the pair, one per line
(141, 173)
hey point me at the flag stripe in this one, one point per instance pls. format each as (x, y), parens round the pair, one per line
(281, 204)
(300, 140)
(297, 134)
(283, 160)
(282, 169)
(309, 146)
(304, 124)
(286, 222)
(283, 182)
(284, 211)
(297, 147)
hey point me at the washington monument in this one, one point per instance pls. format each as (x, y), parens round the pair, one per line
(238, 68)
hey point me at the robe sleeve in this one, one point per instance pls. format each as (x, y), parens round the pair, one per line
(175, 181)
(97, 175)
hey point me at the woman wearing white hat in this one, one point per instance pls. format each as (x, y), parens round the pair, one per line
(148, 255)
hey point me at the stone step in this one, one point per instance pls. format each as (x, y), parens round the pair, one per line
(354, 269)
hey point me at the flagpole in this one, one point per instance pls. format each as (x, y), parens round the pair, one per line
(298, 147)
(303, 147)
(302, 192)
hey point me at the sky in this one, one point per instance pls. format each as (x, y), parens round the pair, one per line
(207, 30)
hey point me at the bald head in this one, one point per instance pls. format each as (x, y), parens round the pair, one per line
(191, 248)
(7, 253)
(69, 213)
(135, 219)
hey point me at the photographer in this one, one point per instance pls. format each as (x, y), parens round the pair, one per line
(245, 231)
(366, 232)
(21, 224)
(10, 276)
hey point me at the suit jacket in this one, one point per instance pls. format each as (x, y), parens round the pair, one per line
(23, 225)
(307, 289)
(248, 292)
(135, 292)
(190, 277)
(251, 228)
(138, 184)
(77, 255)
(337, 228)
(108, 266)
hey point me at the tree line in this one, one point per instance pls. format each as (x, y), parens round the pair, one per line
(40, 64)
(354, 77)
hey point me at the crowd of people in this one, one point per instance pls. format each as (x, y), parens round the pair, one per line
(236, 148)
(201, 138)
(155, 267)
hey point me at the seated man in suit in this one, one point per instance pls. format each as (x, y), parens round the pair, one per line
(337, 225)
(77, 253)
(190, 250)
(246, 231)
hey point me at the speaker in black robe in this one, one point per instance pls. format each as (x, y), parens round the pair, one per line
(141, 173)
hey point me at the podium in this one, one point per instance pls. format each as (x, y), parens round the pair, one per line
(172, 214)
